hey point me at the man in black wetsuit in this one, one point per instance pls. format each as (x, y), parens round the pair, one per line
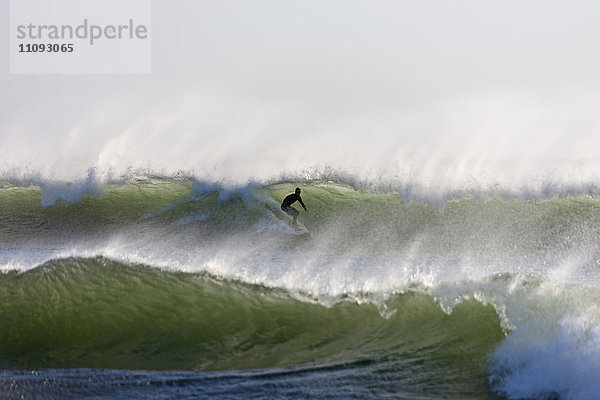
(286, 205)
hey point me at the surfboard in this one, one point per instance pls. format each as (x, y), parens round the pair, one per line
(299, 229)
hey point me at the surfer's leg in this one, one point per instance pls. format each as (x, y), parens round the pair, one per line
(295, 214)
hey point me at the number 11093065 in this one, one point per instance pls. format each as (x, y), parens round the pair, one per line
(46, 48)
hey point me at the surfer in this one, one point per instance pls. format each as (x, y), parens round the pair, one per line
(286, 205)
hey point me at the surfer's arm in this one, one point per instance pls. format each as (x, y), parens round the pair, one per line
(301, 202)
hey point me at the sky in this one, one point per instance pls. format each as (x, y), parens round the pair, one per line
(252, 89)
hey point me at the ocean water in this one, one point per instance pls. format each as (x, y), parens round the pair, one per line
(178, 287)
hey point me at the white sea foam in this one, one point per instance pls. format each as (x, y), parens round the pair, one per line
(530, 364)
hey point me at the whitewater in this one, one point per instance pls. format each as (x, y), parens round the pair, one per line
(177, 286)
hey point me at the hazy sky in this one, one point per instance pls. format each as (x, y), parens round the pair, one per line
(262, 85)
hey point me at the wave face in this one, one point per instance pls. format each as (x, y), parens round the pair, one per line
(101, 313)
(483, 294)
(344, 215)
